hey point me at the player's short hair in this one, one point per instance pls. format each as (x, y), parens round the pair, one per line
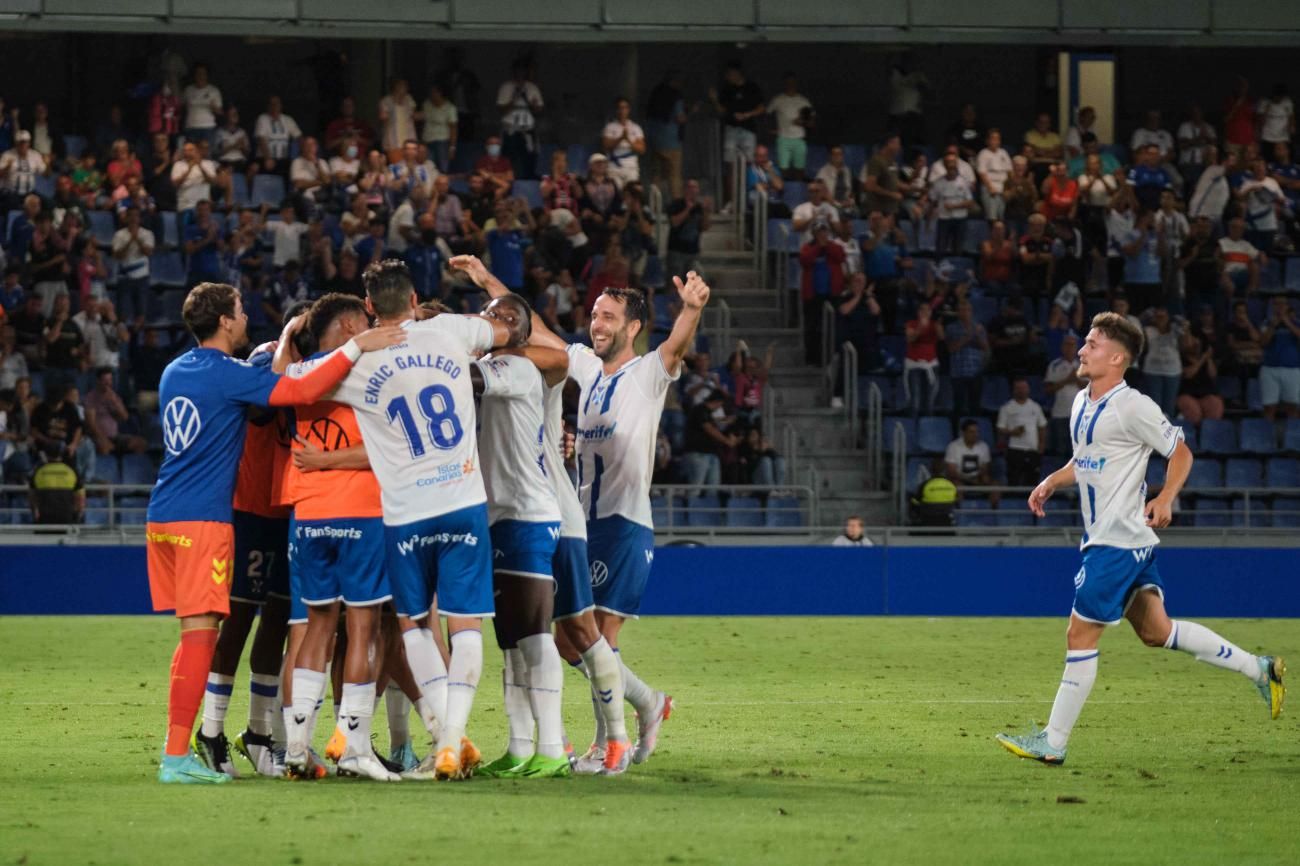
(433, 308)
(1119, 329)
(389, 286)
(635, 302)
(205, 305)
(303, 341)
(520, 303)
(328, 308)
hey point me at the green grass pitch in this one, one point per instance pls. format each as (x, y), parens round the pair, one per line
(796, 741)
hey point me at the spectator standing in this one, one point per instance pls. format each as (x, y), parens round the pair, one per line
(886, 260)
(817, 208)
(1245, 346)
(1143, 249)
(601, 206)
(1162, 367)
(907, 88)
(427, 257)
(708, 444)
(1239, 118)
(165, 112)
(1262, 199)
(1239, 261)
(1150, 134)
(1011, 337)
(13, 366)
(993, 166)
(230, 142)
(203, 244)
(348, 125)
(287, 237)
(19, 169)
(158, 179)
(1213, 190)
(764, 180)
(1023, 427)
(311, 176)
(28, 323)
(968, 348)
(1020, 195)
(688, 219)
(666, 116)
(65, 345)
(274, 133)
(8, 126)
(345, 277)
(967, 459)
(1195, 138)
(47, 263)
(498, 171)
(880, 179)
(740, 103)
(122, 165)
(853, 534)
(105, 415)
(1279, 376)
(1275, 116)
(1060, 199)
(1198, 261)
(822, 262)
(202, 106)
(397, 115)
(1036, 263)
(852, 248)
(1198, 394)
(966, 133)
(1062, 382)
(749, 385)
(409, 173)
(104, 334)
(1147, 178)
(953, 198)
(794, 115)
(448, 216)
(997, 254)
(838, 180)
(1096, 190)
(857, 322)
(192, 176)
(1283, 169)
(561, 187)
(1082, 127)
(921, 366)
(441, 128)
(506, 242)
(1044, 146)
(520, 101)
(623, 141)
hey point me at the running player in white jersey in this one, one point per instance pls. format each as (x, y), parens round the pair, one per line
(1115, 429)
(415, 406)
(525, 525)
(621, 399)
(582, 644)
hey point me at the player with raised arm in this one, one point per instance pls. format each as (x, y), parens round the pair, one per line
(189, 539)
(525, 525)
(415, 406)
(1115, 429)
(574, 611)
(621, 399)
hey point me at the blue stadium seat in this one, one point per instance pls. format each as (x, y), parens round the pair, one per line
(171, 233)
(1206, 474)
(795, 193)
(855, 156)
(577, 154)
(267, 189)
(977, 231)
(704, 510)
(1282, 472)
(654, 275)
(985, 309)
(239, 186)
(780, 233)
(108, 468)
(1212, 511)
(744, 511)
(1271, 276)
(1286, 512)
(933, 434)
(1254, 402)
(659, 511)
(96, 516)
(1244, 472)
(1291, 436)
(530, 191)
(1259, 513)
(1229, 387)
(909, 432)
(996, 392)
(1012, 511)
(138, 469)
(1258, 436)
(44, 186)
(912, 474)
(1191, 436)
(784, 511)
(167, 269)
(894, 346)
(1218, 437)
(1156, 474)
(101, 227)
(1060, 512)
(818, 155)
(886, 384)
(1291, 278)
(975, 512)
(74, 145)
(9, 224)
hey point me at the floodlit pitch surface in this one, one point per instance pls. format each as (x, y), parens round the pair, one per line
(796, 741)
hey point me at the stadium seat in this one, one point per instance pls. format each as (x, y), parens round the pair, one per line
(1229, 388)
(1012, 511)
(1190, 436)
(1282, 472)
(101, 227)
(239, 184)
(1218, 437)
(855, 156)
(996, 392)
(1271, 275)
(795, 193)
(909, 433)
(1254, 402)
(705, 510)
(74, 146)
(886, 384)
(108, 468)
(1060, 512)
(933, 433)
(784, 511)
(167, 269)
(171, 233)
(578, 154)
(913, 472)
(817, 156)
(985, 309)
(744, 511)
(781, 235)
(138, 469)
(44, 186)
(1243, 472)
(1291, 436)
(1206, 474)
(975, 512)
(1156, 474)
(1259, 513)
(1212, 511)
(977, 231)
(530, 191)
(267, 189)
(1286, 512)
(1258, 436)
(660, 513)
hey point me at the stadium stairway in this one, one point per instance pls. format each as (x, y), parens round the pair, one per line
(825, 454)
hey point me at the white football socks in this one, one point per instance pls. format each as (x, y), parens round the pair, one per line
(300, 718)
(1208, 647)
(545, 685)
(398, 707)
(582, 667)
(430, 674)
(356, 711)
(462, 681)
(638, 694)
(216, 703)
(263, 696)
(1076, 683)
(606, 674)
(519, 711)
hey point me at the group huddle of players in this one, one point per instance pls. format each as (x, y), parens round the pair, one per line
(386, 465)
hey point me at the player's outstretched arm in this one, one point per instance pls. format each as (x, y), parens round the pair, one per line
(1048, 486)
(1160, 511)
(322, 378)
(473, 267)
(553, 363)
(694, 294)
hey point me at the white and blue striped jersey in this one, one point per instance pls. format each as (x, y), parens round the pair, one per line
(573, 522)
(511, 435)
(1113, 438)
(415, 406)
(618, 422)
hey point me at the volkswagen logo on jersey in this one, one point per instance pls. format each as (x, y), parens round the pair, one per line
(599, 573)
(181, 424)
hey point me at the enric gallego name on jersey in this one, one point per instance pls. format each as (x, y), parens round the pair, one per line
(408, 362)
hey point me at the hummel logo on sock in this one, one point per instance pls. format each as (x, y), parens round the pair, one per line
(606, 695)
(353, 723)
(299, 720)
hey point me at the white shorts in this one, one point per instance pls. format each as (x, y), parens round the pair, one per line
(1279, 385)
(735, 138)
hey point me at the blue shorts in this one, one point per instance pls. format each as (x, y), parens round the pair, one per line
(620, 553)
(297, 608)
(341, 559)
(1108, 580)
(572, 578)
(449, 556)
(261, 558)
(524, 548)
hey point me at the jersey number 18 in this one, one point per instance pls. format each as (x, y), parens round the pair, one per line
(439, 410)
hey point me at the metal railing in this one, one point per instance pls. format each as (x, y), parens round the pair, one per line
(739, 196)
(849, 366)
(828, 339)
(716, 320)
(656, 206)
(767, 412)
(733, 508)
(104, 505)
(899, 473)
(783, 278)
(758, 236)
(874, 421)
(790, 449)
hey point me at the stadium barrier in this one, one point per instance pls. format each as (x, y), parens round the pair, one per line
(898, 579)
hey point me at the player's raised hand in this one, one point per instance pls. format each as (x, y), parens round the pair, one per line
(694, 292)
(1159, 513)
(472, 266)
(1039, 496)
(380, 338)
